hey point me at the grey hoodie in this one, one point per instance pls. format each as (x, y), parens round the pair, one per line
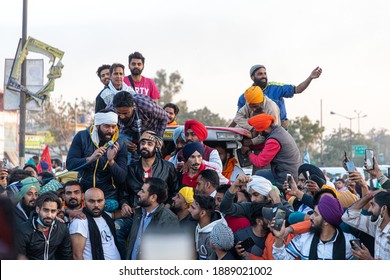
(202, 237)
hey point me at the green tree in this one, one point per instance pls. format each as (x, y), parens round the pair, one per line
(304, 132)
(57, 121)
(380, 144)
(170, 86)
(343, 140)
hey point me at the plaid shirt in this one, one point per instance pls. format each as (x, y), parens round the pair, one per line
(152, 117)
(356, 219)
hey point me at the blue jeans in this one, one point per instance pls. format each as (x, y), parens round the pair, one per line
(123, 227)
(131, 157)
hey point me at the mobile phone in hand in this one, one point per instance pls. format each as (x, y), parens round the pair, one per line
(247, 243)
(369, 157)
(289, 180)
(350, 166)
(279, 218)
(357, 242)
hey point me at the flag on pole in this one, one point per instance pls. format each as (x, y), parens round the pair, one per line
(306, 156)
(45, 156)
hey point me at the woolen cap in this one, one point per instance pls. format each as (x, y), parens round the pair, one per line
(254, 68)
(222, 237)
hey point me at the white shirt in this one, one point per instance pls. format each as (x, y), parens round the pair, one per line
(109, 248)
(355, 218)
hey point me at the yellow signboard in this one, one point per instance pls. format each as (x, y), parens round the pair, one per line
(168, 134)
(34, 142)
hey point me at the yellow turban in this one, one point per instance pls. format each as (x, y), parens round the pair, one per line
(332, 189)
(347, 198)
(254, 95)
(188, 194)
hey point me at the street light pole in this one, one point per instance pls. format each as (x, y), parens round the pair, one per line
(349, 118)
(359, 117)
(22, 98)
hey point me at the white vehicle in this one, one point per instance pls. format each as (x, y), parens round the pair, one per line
(227, 137)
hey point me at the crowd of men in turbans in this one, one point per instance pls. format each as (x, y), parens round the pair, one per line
(124, 196)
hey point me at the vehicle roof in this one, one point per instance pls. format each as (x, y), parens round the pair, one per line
(238, 133)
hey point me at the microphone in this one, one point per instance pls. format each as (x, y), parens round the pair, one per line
(110, 144)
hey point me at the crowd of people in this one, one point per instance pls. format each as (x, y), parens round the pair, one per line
(122, 196)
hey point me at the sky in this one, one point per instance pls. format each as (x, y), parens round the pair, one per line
(213, 44)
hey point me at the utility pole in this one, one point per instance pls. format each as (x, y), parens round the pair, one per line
(322, 136)
(22, 106)
(359, 117)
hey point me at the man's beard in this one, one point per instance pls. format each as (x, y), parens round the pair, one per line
(47, 221)
(374, 217)
(195, 166)
(262, 83)
(144, 203)
(94, 213)
(317, 230)
(176, 208)
(136, 71)
(72, 204)
(146, 154)
(27, 208)
(102, 136)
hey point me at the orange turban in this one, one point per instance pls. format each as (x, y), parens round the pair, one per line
(197, 127)
(261, 122)
(254, 95)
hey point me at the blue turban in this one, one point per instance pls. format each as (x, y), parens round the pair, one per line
(190, 148)
(179, 131)
(26, 184)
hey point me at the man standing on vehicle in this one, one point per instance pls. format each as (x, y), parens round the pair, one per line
(277, 91)
(280, 151)
(139, 83)
(103, 73)
(98, 165)
(137, 114)
(115, 85)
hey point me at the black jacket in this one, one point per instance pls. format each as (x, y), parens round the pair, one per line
(32, 242)
(97, 173)
(164, 221)
(162, 169)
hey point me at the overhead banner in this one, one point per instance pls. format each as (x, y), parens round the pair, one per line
(55, 57)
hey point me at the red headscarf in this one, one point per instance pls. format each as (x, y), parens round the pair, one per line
(197, 127)
(261, 122)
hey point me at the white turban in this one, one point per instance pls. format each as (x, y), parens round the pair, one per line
(259, 184)
(106, 118)
(102, 118)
